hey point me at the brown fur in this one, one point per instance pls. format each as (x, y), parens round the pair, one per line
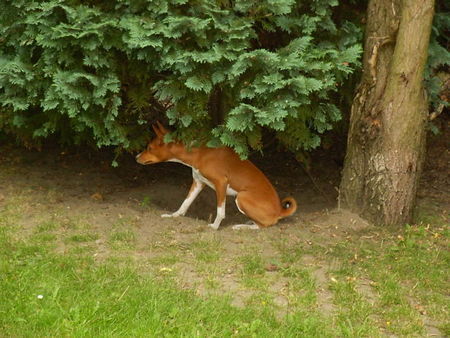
(256, 196)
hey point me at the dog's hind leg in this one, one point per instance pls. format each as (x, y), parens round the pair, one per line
(250, 225)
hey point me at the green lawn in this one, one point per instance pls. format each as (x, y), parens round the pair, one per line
(383, 282)
(49, 294)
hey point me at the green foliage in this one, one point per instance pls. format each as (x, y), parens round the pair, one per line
(222, 71)
(438, 56)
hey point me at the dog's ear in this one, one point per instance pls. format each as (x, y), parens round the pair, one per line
(158, 132)
(163, 130)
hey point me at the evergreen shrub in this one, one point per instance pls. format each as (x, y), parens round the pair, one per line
(223, 72)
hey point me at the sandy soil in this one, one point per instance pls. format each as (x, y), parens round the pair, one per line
(84, 184)
(73, 185)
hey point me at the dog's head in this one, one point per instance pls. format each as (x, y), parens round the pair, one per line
(157, 150)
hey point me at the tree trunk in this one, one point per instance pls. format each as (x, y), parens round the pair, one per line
(386, 141)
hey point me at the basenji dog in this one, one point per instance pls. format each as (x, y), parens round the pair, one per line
(222, 170)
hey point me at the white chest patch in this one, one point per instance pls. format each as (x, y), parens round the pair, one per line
(197, 175)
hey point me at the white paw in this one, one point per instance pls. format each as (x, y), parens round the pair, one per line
(170, 215)
(214, 226)
(245, 226)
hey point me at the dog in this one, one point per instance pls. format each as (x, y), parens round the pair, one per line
(222, 170)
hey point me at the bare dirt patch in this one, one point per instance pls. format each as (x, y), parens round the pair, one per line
(116, 212)
(122, 207)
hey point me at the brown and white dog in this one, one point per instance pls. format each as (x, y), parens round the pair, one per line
(222, 170)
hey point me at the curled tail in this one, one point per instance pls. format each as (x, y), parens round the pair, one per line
(288, 206)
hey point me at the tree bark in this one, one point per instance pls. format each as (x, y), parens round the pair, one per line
(386, 140)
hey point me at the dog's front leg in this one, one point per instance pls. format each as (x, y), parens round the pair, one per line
(196, 188)
(221, 189)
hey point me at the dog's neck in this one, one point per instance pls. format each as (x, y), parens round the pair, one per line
(181, 154)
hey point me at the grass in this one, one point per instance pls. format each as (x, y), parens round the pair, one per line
(124, 239)
(394, 283)
(146, 202)
(252, 264)
(70, 295)
(354, 311)
(416, 269)
(207, 252)
(82, 238)
(409, 273)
